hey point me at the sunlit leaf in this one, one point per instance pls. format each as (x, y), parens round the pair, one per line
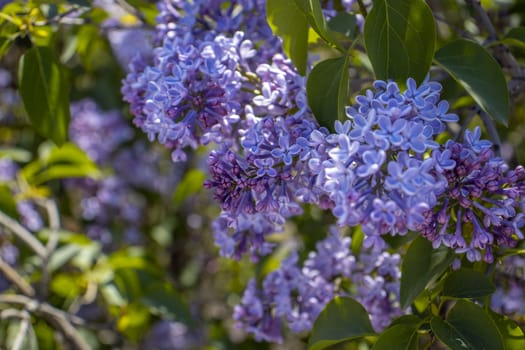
(288, 22)
(512, 334)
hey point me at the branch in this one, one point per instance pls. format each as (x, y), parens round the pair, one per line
(54, 226)
(493, 132)
(22, 331)
(59, 319)
(14, 277)
(22, 233)
(483, 19)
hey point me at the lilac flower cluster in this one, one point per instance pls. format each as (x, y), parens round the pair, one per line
(219, 75)
(484, 202)
(295, 295)
(205, 62)
(374, 169)
(115, 200)
(259, 188)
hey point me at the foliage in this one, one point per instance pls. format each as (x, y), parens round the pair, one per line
(335, 151)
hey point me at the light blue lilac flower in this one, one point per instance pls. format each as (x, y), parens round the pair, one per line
(378, 169)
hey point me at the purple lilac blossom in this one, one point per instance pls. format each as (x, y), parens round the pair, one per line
(482, 206)
(295, 296)
(509, 298)
(192, 92)
(219, 75)
(115, 203)
(168, 335)
(374, 169)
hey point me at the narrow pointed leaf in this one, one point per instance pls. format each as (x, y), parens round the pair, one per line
(288, 21)
(421, 266)
(399, 37)
(479, 73)
(467, 283)
(342, 319)
(516, 36)
(467, 327)
(44, 88)
(327, 90)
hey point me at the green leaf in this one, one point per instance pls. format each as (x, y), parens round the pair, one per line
(479, 73)
(5, 44)
(341, 320)
(29, 341)
(421, 266)
(516, 36)
(190, 184)
(163, 300)
(288, 22)
(344, 23)
(399, 37)
(399, 337)
(44, 88)
(15, 154)
(327, 90)
(467, 327)
(7, 202)
(62, 255)
(65, 285)
(314, 14)
(513, 336)
(54, 163)
(467, 283)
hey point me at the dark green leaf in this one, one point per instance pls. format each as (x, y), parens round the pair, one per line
(327, 90)
(399, 337)
(163, 300)
(467, 283)
(479, 73)
(44, 88)
(5, 44)
(407, 320)
(513, 336)
(421, 266)
(288, 21)
(7, 202)
(341, 320)
(399, 37)
(516, 36)
(467, 327)
(345, 24)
